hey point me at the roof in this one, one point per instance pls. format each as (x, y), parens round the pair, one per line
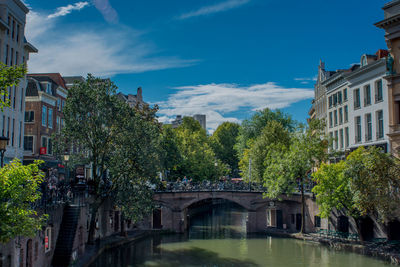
(73, 79)
(55, 77)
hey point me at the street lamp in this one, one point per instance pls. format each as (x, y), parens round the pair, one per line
(3, 145)
(66, 157)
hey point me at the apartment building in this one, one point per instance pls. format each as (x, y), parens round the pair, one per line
(338, 111)
(45, 100)
(368, 103)
(14, 50)
(357, 105)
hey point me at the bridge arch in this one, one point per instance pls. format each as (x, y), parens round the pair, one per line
(223, 197)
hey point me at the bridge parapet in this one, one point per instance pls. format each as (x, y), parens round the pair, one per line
(207, 186)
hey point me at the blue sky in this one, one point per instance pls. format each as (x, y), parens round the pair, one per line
(222, 58)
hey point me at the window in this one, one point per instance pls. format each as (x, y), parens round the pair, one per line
(6, 57)
(14, 97)
(335, 99)
(13, 30)
(341, 138)
(357, 102)
(346, 114)
(11, 56)
(345, 95)
(47, 240)
(380, 130)
(48, 88)
(9, 24)
(358, 129)
(13, 133)
(378, 91)
(17, 32)
(368, 127)
(50, 119)
(44, 144)
(317, 221)
(367, 95)
(336, 140)
(49, 147)
(330, 119)
(58, 124)
(8, 130)
(340, 98)
(330, 101)
(16, 58)
(29, 116)
(20, 134)
(340, 116)
(44, 116)
(335, 117)
(22, 100)
(346, 136)
(28, 143)
(331, 139)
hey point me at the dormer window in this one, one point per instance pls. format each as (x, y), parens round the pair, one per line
(48, 88)
(364, 61)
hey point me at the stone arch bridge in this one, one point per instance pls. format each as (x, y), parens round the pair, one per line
(174, 207)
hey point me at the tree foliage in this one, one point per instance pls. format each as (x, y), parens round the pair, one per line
(251, 128)
(134, 161)
(19, 186)
(274, 137)
(223, 141)
(288, 168)
(118, 140)
(366, 183)
(9, 77)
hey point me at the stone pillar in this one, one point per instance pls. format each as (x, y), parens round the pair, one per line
(252, 222)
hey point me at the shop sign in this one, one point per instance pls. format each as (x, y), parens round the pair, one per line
(43, 151)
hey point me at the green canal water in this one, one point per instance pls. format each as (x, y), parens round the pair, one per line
(217, 238)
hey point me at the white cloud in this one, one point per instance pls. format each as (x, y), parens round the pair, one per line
(108, 12)
(65, 10)
(220, 102)
(306, 80)
(81, 49)
(207, 10)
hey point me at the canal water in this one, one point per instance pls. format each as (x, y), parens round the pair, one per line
(217, 238)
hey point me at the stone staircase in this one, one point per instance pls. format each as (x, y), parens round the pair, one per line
(66, 236)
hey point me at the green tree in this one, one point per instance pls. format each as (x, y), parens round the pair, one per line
(223, 141)
(91, 113)
(251, 128)
(135, 161)
(18, 191)
(198, 159)
(9, 77)
(288, 169)
(366, 183)
(274, 136)
(170, 155)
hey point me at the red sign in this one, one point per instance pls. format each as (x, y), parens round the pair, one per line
(61, 166)
(46, 242)
(43, 151)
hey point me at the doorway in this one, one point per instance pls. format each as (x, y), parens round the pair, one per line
(157, 219)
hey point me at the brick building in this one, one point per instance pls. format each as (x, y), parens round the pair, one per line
(45, 100)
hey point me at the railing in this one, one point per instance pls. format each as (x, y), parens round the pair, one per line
(209, 186)
(217, 186)
(58, 194)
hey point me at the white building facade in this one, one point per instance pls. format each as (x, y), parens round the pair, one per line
(357, 106)
(368, 102)
(14, 50)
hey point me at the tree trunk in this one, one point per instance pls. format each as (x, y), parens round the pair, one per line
(303, 208)
(360, 236)
(123, 229)
(92, 225)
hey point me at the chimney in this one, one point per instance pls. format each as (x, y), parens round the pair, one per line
(139, 94)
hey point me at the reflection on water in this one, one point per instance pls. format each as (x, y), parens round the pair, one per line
(217, 238)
